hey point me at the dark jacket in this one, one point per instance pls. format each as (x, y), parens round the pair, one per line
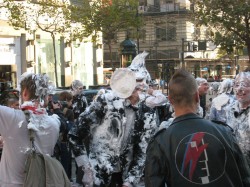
(79, 104)
(203, 104)
(195, 152)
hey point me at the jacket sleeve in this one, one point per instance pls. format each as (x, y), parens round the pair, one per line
(212, 115)
(156, 99)
(155, 169)
(241, 162)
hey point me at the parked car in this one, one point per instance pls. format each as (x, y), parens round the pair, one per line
(6, 94)
(89, 94)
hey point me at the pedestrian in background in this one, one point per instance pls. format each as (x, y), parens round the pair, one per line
(13, 103)
(193, 151)
(203, 88)
(66, 100)
(79, 102)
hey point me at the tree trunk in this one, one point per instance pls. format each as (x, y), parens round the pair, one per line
(54, 48)
(110, 54)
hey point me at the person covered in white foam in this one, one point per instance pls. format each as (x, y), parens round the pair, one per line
(238, 112)
(14, 126)
(148, 117)
(151, 96)
(114, 125)
(218, 110)
(106, 128)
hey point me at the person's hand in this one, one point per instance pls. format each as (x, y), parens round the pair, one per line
(88, 177)
(150, 91)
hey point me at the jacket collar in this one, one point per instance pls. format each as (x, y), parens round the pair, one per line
(186, 117)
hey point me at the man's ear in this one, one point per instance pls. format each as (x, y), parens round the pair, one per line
(25, 95)
(170, 100)
(197, 97)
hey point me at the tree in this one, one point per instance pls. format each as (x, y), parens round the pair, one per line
(229, 19)
(47, 15)
(108, 17)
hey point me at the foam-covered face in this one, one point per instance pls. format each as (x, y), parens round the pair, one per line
(134, 98)
(242, 89)
(203, 88)
(77, 91)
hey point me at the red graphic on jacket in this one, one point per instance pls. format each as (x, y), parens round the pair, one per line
(195, 147)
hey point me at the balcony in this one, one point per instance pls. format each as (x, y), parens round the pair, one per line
(166, 8)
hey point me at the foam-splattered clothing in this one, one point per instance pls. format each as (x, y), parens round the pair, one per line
(13, 128)
(106, 128)
(145, 129)
(79, 104)
(116, 136)
(218, 110)
(239, 120)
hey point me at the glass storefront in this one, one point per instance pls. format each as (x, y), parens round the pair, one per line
(45, 61)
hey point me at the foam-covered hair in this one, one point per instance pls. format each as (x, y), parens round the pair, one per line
(226, 86)
(200, 81)
(41, 81)
(138, 66)
(245, 75)
(76, 84)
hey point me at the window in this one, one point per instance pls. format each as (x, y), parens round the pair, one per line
(166, 32)
(171, 31)
(161, 34)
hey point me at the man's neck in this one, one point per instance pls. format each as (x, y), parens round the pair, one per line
(182, 111)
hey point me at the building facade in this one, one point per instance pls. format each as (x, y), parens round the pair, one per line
(22, 50)
(173, 40)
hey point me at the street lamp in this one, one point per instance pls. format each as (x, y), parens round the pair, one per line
(128, 51)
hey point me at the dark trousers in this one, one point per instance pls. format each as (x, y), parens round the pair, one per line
(66, 158)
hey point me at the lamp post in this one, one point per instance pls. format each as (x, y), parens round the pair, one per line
(128, 51)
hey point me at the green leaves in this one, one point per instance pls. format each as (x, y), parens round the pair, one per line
(49, 16)
(229, 18)
(107, 16)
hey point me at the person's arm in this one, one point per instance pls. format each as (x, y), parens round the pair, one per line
(77, 136)
(8, 119)
(212, 114)
(155, 170)
(241, 162)
(156, 98)
(239, 158)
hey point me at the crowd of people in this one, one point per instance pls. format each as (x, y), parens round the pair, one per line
(132, 134)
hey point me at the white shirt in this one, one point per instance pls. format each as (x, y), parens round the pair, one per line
(13, 128)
